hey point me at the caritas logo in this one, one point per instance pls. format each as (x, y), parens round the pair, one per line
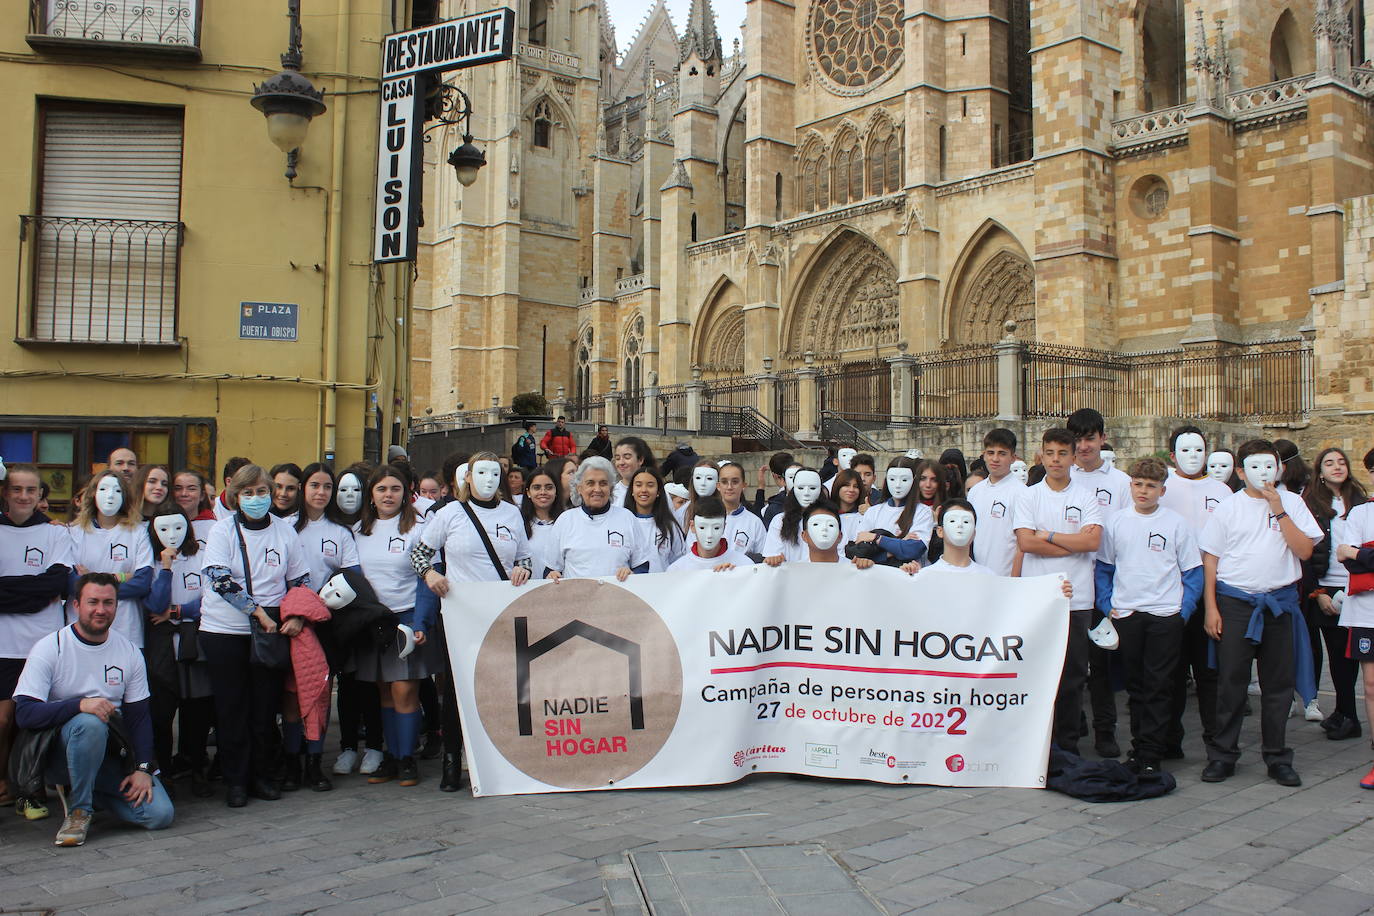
(762, 752)
(739, 758)
(954, 763)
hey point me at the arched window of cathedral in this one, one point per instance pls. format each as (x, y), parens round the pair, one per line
(847, 304)
(633, 349)
(882, 158)
(822, 185)
(539, 22)
(856, 172)
(808, 182)
(543, 125)
(582, 372)
(841, 183)
(1286, 57)
(1163, 54)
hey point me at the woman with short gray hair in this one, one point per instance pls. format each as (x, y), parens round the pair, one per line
(596, 538)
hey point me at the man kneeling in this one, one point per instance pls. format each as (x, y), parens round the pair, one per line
(84, 681)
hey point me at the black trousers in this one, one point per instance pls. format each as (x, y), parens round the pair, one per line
(1193, 656)
(449, 722)
(193, 729)
(1235, 657)
(164, 689)
(1150, 650)
(359, 704)
(1068, 705)
(1100, 694)
(1344, 671)
(247, 699)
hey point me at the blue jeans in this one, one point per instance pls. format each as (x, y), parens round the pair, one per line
(94, 776)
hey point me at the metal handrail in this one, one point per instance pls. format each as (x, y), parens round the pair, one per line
(850, 434)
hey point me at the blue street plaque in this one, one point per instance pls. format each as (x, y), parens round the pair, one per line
(267, 321)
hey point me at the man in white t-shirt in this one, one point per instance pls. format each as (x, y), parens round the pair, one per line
(711, 549)
(1058, 527)
(1252, 552)
(76, 680)
(1149, 576)
(994, 499)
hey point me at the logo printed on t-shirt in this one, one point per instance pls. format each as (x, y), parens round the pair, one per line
(33, 556)
(1073, 515)
(615, 539)
(114, 675)
(1274, 523)
(329, 548)
(190, 581)
(741, 539)
(271, 557)
(119, 552)
(503, 533)
(1104, 497)
(999, 509)
(396, 545)
(1210, 503)
(1157, 542)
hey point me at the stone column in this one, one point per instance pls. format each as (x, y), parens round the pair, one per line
(808, 399)
(559, 405)
(904, 371)
(494, 411)
(650, 414)
(696, 388)
(610, 407)
(767, 384)
(1010, 404)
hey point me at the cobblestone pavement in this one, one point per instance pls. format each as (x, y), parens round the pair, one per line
(1246, 845)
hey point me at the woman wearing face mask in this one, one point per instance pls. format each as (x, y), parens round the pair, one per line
(702, 482)
(178, 679)
(563, 470)
(908, 521)
(1221, 465)
(541, 508)
(631, 453)
(286, 490)
(783, 542)
(148, 491)
(656, 522)
(1331, 495)
(850, 495)
(349, 493)
(597, 538)
(251, 560)
(468, 531)
(107, 538)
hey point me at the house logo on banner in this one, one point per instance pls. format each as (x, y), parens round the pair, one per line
(597, 687)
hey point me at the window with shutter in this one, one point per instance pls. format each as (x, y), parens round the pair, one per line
(107, 232)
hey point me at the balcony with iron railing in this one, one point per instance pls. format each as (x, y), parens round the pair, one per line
(98, 281)
(168, 28)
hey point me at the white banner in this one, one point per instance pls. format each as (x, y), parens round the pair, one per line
(699, 678)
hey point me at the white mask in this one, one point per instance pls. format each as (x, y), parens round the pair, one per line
(709, 532)
(1220, 465)
(109, 496)
(789, 476)
(1190, 454)
(824, 530)
(915, 454)
(704, 480)
(1260, 470)
(1019, 470)
(349, 495)
(486, 479)
(337, 593)
(1109, 458)
(806, 487)
(844, 456)
(899, 481)
(958, 527)
(171, 530)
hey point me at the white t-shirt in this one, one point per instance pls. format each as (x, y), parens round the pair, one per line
(618, 491)
(1067, 511)
(774, 545)
(28, 551)
(1110, 486)
(666, 550)
(276, 558)
(849, 527)
(973, 567)
(116, 550)
(1195, 500)
(62, 666)
(1150, 553)
(451, 531)
(1336, 575)
(598, 545)
(384, 556)
(994, 504)
(422, 505)
(1358, 610)
(542, 547)
(885, 516)
(188, 582)
(690, 562)
(328, 548)
(221, 510)
(1248, 541)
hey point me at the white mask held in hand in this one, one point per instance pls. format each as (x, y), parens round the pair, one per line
(1190, 454)
(405, 640)
(1104, 635)
(789, 476)
(1260, 470)
(704, 480)
(1220, 466)
(486, 479)
(709, 532)
(844, 456)
(1020, 471)
(171, 530)
(1109, 458)
(109, 496)
(823, 529)
(958, 527)
(349, 495)
(806, 488)
(899, 481)
(337, 593)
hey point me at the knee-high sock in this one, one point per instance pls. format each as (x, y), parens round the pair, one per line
(389, 730)
(408, 726)
(292, 734)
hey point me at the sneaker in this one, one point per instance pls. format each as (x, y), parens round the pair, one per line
(385, 772)
(1296, 709)
(74, 829)
(31, 808)
(1312, 713)
(409, 772)
(371, 760)
(345, 762)
(1368, 781)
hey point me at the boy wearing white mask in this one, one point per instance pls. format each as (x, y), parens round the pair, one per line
(822, 531)
(783, 542)
(1252, 553)
(710, 550)
(958, 521)
(1221, 466)
(994, 500)
(843, 460)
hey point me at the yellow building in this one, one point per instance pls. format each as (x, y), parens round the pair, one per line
(172, 291)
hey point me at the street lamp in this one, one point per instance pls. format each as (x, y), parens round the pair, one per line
(454, 107)
(289, 100)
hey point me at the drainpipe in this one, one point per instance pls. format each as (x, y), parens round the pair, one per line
(335, 265)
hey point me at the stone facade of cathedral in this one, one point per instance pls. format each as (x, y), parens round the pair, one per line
(1160, 203)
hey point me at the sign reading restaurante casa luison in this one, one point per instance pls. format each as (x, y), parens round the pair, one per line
(408, 60)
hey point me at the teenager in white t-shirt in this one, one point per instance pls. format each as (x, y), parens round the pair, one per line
(1253, 548)
(850, 495)
(1356, 553)
(743, 528)
(247, 695)
(654, 517)
(107, 538)
(710, 550)
(994, 499)
(958, 526)
(908, 521)
(1149, 577)
(1058, 527)
(543, 504)
(595, 538)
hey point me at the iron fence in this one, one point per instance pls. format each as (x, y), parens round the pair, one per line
(672, 406)
(731, 392)
(958, 384)
(1057, 380)
(859, 392)
(587, 409)
(786, 397)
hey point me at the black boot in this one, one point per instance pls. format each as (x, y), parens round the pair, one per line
(452, 779)
(200, 781)
(291, 772)
(314, 775)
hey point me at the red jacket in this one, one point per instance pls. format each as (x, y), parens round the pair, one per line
(558, 443)
(309, 679)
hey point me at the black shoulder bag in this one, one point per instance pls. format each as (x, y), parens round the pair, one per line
(269, 650)
(486, 542)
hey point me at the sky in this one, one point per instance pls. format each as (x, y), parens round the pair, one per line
(626, 16)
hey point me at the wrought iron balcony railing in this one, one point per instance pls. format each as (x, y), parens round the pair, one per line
(163, 26)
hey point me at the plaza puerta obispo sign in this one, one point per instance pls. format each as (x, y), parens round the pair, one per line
(409, 60)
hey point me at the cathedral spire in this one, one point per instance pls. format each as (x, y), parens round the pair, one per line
(700, 36)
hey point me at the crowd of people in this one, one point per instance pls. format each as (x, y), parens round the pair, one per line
(170, 617)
